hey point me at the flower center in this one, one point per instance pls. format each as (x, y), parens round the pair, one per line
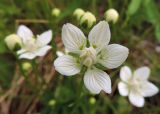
(135, 85)
(30, 45)
(88, 56)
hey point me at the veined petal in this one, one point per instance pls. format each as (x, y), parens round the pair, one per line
(96, 80)
(44, 38)
(136, 99)
(73, 38)
(125, 74)
(100, 35)
(142, 73)
(43, 50)
(113, 55)
(148, 89)
(25, 33)
(67, 65)
(59, 53)
(27, 55)
(21, 51)
(123, 89)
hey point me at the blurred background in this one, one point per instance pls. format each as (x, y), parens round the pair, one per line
(26, 89)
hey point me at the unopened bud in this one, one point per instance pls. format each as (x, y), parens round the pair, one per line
(56, 12)
(13, 40)
(92, 100)
(111, 15)
(26, 66)
(89, 19)
(52, 102)
(78, 13)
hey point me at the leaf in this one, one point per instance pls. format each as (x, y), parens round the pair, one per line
(152, 12)
(153, 16)
(133, 7)
(157, 32)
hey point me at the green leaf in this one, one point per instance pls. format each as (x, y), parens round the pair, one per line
(133, 7)
(153, 16)
(152, 12)
(157, 32)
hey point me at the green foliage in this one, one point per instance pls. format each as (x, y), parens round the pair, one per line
(133, 7)
(153, 16)
(123, 106)
(157, 32)
(6, 70)
(145, 10)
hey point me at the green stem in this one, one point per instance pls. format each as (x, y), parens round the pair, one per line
(94, 6)
(38, 75)
(79, 95)
(110, 3)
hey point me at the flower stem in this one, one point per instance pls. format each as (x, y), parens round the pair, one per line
(79, 95)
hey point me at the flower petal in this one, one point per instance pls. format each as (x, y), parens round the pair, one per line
(100, 35)
(27, 55)
(123, 89)
(25, 33)
(73, 38)
(59, 53)
(42, 51)
(96, 80)
(44, 38)
(136, 99)
(149, 89)
(113, 55)
(66, 65)
(21, 51)
(142, 73)
(125, 74)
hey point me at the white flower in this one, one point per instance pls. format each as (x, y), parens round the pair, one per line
(136, 86)
(32, 47)
(97, 51)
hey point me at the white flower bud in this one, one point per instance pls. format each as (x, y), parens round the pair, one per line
(111, 15)
(78, 13)
(88, 18)
(56, 12)
(12, 40)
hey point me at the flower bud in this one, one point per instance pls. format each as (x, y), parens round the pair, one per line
(52, 102)
(56, 12)
(88, 18)
(111, 15)
(26, 66)
(78, 13)
(92, 100)
(12, 40)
